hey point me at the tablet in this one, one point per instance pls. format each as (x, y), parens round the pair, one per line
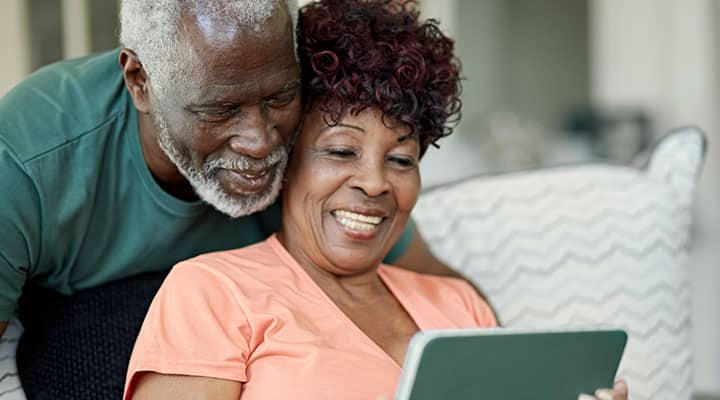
(509, 364)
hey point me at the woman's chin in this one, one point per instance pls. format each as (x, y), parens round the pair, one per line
(354, 256)
(351, 266)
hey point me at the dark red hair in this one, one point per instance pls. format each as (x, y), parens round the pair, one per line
(356, 54)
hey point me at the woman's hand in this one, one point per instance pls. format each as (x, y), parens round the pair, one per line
(618, 392)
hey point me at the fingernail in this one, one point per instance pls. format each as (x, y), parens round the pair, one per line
(604, 394)
(584, 396)
(621, 386)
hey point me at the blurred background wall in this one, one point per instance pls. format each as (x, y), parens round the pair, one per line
(547, 82)
(577, 80)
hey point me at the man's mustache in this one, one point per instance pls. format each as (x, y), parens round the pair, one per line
(243, 162)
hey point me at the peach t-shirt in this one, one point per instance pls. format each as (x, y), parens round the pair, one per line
(253, 315)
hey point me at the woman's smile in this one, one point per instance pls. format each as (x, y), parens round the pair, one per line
(360, 225)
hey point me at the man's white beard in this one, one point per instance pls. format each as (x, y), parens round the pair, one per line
(205, 182)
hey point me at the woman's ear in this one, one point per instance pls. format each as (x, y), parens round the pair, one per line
(136, 80)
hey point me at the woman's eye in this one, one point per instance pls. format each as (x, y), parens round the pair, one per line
(340, 152)
(403, 161)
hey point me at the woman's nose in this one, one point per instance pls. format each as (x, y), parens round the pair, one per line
(370, 177)
(253, 135)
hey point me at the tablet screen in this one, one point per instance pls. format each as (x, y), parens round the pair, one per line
(509, 364)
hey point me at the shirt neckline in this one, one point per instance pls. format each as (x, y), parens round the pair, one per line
(280, 250)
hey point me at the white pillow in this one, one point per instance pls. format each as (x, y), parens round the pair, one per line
(584, 244)
(9, 382)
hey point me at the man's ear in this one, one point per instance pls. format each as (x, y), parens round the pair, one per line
(136, 80)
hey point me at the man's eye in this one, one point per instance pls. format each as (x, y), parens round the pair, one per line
(215, 115)
(280, 101)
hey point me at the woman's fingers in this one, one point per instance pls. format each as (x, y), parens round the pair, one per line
(607, 394)
(618, 392)
(602, 394)
(622, 388)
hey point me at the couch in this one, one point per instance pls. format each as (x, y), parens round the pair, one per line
(573, 245)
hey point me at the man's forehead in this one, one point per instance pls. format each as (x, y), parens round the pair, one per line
(238, 65)
(220, 28)
(224, 48)
(214, 30)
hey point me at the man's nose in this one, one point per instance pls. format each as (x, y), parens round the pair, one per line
(371, 178)
(253, 135)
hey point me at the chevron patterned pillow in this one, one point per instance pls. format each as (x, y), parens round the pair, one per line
(584, 245)
(9, 382)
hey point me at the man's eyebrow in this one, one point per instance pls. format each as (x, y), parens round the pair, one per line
(294, 84)
(211, 104)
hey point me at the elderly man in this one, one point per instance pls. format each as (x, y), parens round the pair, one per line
(112, 172)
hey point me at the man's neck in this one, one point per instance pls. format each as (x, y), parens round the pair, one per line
(166, 174)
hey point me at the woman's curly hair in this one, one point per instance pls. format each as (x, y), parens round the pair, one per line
(356, 54)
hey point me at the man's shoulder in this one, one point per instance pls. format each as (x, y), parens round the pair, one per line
(61, 102)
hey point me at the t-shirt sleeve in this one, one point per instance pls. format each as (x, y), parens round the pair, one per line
(20, 229)
(402, 244)
(195, 326)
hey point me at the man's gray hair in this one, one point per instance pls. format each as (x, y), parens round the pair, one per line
(151, 28)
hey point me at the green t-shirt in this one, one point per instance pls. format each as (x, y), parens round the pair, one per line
(78, 205)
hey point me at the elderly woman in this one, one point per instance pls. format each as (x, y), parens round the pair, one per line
(312, 312)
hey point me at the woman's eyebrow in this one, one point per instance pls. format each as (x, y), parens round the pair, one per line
(341, 125)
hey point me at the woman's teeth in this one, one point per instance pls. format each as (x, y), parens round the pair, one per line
(358, 217)
(356, 221)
